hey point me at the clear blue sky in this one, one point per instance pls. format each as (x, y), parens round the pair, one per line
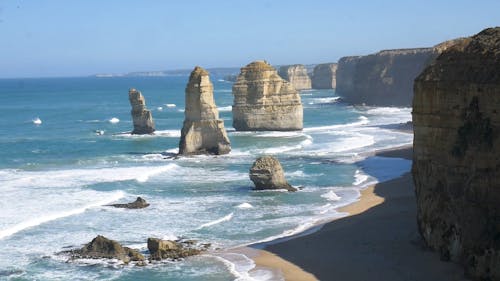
(72, 38)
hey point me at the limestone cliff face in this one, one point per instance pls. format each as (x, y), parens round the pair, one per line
(382, 79)
(456, 167)
(203, 131)
(297, 76)
(263, 101)
(324, 76)
(142, 118)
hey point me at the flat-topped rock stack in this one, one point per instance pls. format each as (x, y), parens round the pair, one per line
(141, 117)
(324, 76)
(297, 76)
(202, 131)
(456, 164)
(263, 101)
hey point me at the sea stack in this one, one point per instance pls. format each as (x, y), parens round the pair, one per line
(324, 76)
(297, 76)
(267, 173)
(202, 132)
(263, 101)
(142, 118)
(456, 165)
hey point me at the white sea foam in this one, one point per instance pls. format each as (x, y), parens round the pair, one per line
(217, 221)
(40, 219)
(331, 196)
(238, 265)
(362, 121)
(225, 108)
(168, 133)
(170, 105)
(324, 100)
(159, 108)
(114, 120)
(37, 121)
(244, 206)
(359, 177)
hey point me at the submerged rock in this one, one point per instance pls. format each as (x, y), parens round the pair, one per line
(166, 249)
(104, 248)
(139, 203)
(263, 101)
(142, 118)
(297, 76)
(202, 131)
(267, 173)
(456, 164)
(324, 76)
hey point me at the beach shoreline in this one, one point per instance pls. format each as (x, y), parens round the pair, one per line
(311, 255)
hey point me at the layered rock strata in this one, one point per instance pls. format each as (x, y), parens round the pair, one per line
(263, 101)
(141, 117)
(456, 167)
(267, 173)
(297, 76)
(101, 247)
(324, 76)
(385, 78)
(202, 131)
(166, 249)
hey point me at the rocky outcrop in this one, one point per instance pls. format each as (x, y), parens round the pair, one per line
(166, 249)
(139, 203)
(324, 76)
(141, 117)
(202, 131)
(104, 248)
(263, 101)
(456, 167)
(267, 173)
(385, 78)
(297, 76)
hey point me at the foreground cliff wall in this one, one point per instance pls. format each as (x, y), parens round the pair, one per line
(456, 164)
(382, 79)
(297, 76)
(324, 76)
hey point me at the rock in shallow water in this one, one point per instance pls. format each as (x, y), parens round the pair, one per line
(267, 173)
(165, 249)
(102, 247)
(139, 203)
(202, 131)
(456, 167)
(263, 101)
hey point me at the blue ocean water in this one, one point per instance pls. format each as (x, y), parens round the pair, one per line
(56, 176)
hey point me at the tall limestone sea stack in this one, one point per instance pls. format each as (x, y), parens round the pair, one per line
(324, 76)
(202, 131)
(297, 76)
(263, 101)
(456, 167)
(142, 118)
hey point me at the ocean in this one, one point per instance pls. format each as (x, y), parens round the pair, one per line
(56, 176)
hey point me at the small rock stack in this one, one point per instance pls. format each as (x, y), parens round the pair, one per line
(267, 173)
(142, 118)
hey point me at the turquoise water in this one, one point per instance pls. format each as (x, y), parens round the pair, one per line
(56, 176)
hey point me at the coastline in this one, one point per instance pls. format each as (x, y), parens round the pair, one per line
(377, 240)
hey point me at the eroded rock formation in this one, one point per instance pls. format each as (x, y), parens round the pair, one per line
(385, 78)
(267, 173)
(297, 76)
(202, 131)
(263, 101)
(101, 247)
(456, 167)
(166, 249)
(141, 117)
(324, 76)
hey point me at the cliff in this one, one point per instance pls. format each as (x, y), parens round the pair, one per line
(324, 76)
(263, 101)
(297, 76)
(141, 117)
(456, 165)
(202, 131)
(382, 79)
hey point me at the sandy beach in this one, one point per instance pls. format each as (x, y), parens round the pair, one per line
(379, 240)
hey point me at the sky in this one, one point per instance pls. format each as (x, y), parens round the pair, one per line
(58, 38)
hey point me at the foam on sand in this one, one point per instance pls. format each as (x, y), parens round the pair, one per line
(331, 196)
